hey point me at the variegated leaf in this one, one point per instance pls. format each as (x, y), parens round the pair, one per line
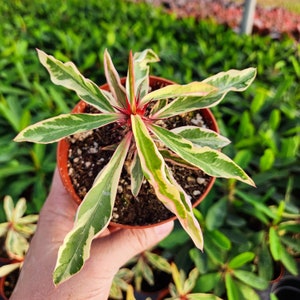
(212, 162)
(130, 85)
(222, 83)
(8, 207)
(92, 217)
(68, 76)
(165, 186)
(114, 82)
(193, 89)
(56, 128)
(7, 269)
(141, 70)
(16, 244)
(202, 136)
(136, 174)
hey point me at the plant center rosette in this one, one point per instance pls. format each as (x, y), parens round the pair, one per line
(81, 157)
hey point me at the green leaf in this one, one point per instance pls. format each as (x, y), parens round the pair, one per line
(289, 261)
(114, 82)
(216, 214)
(248, 292)
(231, 288)
(68, 76)
(240, 260)
(267, 160)
(93, 216)
(206, 282)
(251, 279)
(202, 136)
(56, 128)
(220, 239)
(212, 162)
(159, 176)
(275, 244)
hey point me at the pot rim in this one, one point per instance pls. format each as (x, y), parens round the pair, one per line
(62, 157)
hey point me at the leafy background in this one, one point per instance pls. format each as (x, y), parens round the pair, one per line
(262, 123)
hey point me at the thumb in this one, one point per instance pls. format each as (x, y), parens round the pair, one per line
(126, 243)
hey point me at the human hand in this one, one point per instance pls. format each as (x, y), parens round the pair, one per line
(108, 253)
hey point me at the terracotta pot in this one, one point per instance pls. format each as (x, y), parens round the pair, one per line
(63, 147)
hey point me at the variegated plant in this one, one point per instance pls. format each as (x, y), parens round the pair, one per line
(129, 106)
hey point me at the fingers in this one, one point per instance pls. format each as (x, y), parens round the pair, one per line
(122, 245)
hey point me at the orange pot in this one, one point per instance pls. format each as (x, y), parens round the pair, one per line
(63, 147)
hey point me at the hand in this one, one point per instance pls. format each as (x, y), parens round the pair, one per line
(108, 253)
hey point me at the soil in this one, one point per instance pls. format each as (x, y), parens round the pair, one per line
(89, 153)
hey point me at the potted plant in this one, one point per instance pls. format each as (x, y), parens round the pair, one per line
(136, 116)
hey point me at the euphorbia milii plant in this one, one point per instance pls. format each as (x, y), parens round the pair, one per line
(137, 108)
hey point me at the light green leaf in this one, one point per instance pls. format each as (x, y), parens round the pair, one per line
(114, 82)
(248, 292)
(220, 239)
(231, 288)
(251, 279)
(275, 244)
(212, 162)
(190, 282)
(92, 217)
(159, 176)
(68, 76)
(136, 174)
(8, 207)
(177, 279)
(20, 209)
(7, 269)
(158, 261)
(240, 260)
(56, 128)
(202, 136)
(3, 228)
(289, 261)
(16, 245)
